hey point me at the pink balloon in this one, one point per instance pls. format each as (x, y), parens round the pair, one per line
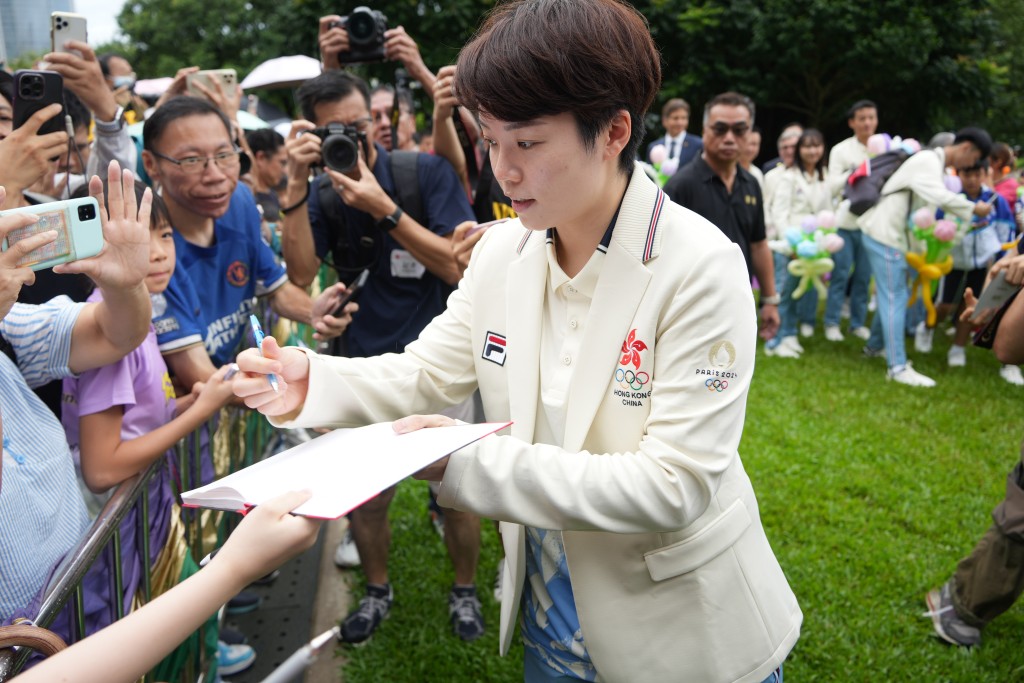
(944, 230)
(912, 145)
(658, 154)
(877, 144)
(924, 217)
(953, 183)
(669, 166)
(833, 243)
(826, 220)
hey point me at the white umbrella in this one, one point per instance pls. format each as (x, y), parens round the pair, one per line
(282, 72)
(246, 120)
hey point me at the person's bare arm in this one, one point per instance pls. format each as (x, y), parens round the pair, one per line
(190, 365)
(297, 244)
(446, 139)
(764, 270)
(107, 460)
(265, 539)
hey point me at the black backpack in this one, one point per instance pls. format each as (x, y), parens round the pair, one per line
(366, 253)
(864, 186)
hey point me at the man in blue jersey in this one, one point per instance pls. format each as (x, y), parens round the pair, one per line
(189, 152)
(395, 220)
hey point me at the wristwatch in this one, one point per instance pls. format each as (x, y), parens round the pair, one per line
(773, 300)
(112, 126)
(388, 223)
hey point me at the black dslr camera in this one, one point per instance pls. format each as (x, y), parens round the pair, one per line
(365, 28)
(339, 149)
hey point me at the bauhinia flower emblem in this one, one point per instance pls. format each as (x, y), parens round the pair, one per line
(631, 349)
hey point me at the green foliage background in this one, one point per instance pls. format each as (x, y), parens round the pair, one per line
(930, 65)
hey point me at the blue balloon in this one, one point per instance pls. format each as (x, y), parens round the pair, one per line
(807, 249)
(794, 236)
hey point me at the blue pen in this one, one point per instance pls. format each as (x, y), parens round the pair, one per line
(257, 331)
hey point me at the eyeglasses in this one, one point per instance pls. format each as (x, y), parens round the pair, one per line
(225, 161)
(363, 124)
(721, 128)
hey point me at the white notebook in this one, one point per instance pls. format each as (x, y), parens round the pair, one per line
(343, 469)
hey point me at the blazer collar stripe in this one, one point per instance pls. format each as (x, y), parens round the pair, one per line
(659, 202)
(526, 238)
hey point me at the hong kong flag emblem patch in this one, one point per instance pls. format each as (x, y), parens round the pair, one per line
(494, 348)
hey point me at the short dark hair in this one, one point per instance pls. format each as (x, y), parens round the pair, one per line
(178, 108)
(810, 136)
(978, 137)
(980, 165)
(327, 88)
(589, 58)
(675, 104)
(730, 99)
(265, 140)
(76, 109)
(857, 106)
(104, 60)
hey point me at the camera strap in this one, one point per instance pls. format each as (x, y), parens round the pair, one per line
(472, 170)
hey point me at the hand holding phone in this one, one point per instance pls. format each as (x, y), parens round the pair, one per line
(482, 226)
(352, 293)
(207, 80)
(35, 91)
(77, 228)
(13, 277)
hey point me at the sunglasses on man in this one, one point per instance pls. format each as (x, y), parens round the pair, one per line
(721, 128)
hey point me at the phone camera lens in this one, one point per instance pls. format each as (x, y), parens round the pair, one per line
(86, 212)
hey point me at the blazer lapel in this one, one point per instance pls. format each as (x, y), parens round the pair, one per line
(524, 304)
(620, 288)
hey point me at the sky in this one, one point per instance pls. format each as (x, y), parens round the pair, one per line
(102, 18)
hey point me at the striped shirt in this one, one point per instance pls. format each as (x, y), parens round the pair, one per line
(42, 515)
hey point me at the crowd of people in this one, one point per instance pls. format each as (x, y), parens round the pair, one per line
(480, 242)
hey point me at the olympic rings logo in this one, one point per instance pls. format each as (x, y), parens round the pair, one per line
(718, 385)
(628, 379)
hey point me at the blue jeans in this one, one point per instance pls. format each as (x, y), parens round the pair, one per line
(852, 254)
(535, 671)
(887, 329)
(804, 309)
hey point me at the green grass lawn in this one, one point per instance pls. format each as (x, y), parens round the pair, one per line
(870, 493)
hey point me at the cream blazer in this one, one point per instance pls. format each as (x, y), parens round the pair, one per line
(673, 576)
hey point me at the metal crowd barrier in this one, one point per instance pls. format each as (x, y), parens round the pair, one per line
(242, 434)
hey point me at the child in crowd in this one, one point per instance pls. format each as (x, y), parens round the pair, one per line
(120, 419)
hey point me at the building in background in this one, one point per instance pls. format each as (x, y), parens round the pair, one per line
(26, 25)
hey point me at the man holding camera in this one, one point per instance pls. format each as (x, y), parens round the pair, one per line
(395, 221)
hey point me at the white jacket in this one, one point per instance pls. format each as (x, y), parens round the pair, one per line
(917, 183)
(798, 195)
(842, 160)
(673, 576)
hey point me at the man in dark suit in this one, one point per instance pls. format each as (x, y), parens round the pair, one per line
(680, 145)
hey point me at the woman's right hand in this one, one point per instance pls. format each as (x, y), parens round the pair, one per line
(290, 368)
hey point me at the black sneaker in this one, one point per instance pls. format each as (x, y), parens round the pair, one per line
(360, 624)
(464, 613)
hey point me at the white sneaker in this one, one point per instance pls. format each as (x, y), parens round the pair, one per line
(923, 337)
(806, 330)
(347, 555)
(1011, 373)
(782, 350)
(833, 334)
(957, 356)
(861, 333)
(910, 377)
(793, 343)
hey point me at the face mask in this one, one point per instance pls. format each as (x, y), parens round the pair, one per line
(124, 82)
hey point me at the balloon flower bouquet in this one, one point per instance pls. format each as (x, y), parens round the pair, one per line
(662, 165)
(812, 245)
(935, 259)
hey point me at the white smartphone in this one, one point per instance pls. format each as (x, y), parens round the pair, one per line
(65, 26)
(78, 226)
(227, 77)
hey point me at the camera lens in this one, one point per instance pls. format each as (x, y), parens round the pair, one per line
(86, 212)
(361, 26)
(339, 152)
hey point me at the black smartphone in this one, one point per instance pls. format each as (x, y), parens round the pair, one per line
(35, 90)
(353, 291)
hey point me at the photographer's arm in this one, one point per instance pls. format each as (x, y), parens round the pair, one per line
(446, 140)
(400, 47)
(297, 244)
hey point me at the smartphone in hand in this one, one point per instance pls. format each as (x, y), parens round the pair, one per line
(35, 90)
(353, 291)
(78, 226)
(482, 226)
(65, 26)
(227, 77)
